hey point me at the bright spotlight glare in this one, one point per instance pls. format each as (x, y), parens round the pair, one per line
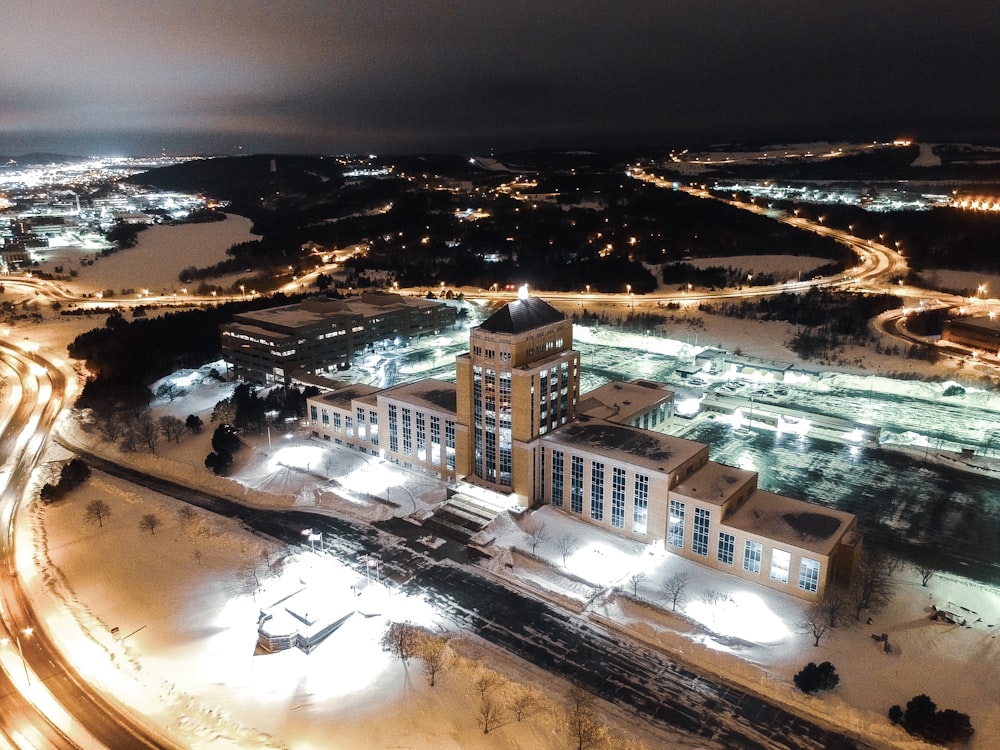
(743, 615)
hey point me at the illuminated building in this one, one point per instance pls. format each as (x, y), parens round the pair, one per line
(979, 332)
(514, 422)
(321, 334)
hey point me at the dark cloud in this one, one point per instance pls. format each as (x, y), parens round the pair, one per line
(334, 75)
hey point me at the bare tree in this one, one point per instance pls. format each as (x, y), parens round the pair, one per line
(524, 701)
(145, 431)
(567, 544)
(486, 681)
(400, 638)
(130, 439)
(110, 425)
(150, 522)
(815, 622)
(171, 427)
(834, 606)
(871, 587)
(537, 533)
(197, 555)
(97, 511)
(925, 574)
(584, 727)
(673, 589)
(491, 713)
(491, 710)
(635, 579)
(433, 652)
(188, 515)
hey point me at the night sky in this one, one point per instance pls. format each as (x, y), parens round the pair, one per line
(326, 76)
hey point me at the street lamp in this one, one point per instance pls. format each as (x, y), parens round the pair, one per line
(313, 537)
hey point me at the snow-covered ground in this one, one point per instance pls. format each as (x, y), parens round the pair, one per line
(181, 598)
(183, 654)
(156, 261)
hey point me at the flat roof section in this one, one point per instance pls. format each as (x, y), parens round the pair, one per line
(793, 522)
(342, 398)
(618, 401)
(977, 323)
(431, 393)
(653, 450)
(714, 483)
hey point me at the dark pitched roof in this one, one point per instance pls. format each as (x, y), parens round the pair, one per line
(522, 315)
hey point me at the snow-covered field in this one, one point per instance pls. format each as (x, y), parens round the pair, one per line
(183, 654)
(157, 260)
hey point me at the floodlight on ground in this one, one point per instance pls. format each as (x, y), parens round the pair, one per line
(740, 614)
(854, 436)
(687, 407)
(800, 427)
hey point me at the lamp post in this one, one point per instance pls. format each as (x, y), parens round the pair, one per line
(410, 494)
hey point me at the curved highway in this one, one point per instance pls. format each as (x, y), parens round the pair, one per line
(46, 703)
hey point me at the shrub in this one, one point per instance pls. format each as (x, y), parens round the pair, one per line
(812, 677)
(921, 718)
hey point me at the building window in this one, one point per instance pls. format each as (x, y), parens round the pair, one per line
(326, 417)
(640, 504)
(675, 524)
(752, 553)
(727, 546)
(349, 426)
(557, 478)
(373, 424)
(313, 414)
(699, 537)
(436, 440)
(421, 436)
(449, 444)
(809, 575)
(597, 491)
(618, 498)
(576, 484)
(780, 562)
(360, 419)
(407, 432)
(393, 429)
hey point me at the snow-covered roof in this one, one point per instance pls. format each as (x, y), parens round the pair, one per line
(304, 618)
(715, 483)
(619, 402)
(343, 397)
(438, 395)
(652, 450)
(793, 522)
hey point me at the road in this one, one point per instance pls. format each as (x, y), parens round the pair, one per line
(85, 717)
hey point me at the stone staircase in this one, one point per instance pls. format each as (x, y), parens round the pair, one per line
(461, 517)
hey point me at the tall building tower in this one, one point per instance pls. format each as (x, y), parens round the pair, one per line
(520, 379)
